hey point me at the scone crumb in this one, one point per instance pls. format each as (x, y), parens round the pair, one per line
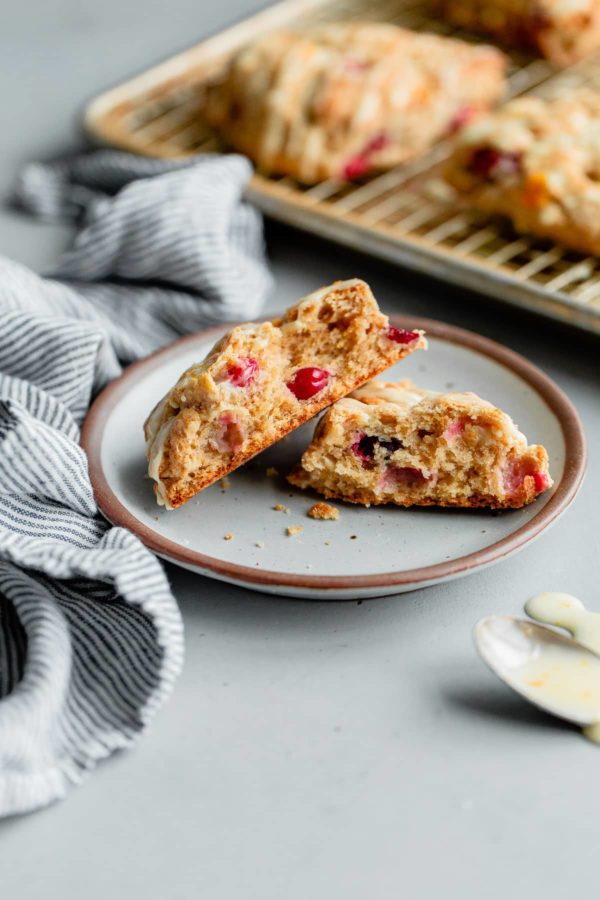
(293, 529)
(225, 484)
(272, 472)
(259, 543)
(228, 536)
(324, 511)
(279, 507)
(327, 543)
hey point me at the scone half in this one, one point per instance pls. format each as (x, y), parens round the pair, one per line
(263, 380)
(396, 443)
(538, 163)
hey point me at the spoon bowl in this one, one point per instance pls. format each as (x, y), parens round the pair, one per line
(547, 668)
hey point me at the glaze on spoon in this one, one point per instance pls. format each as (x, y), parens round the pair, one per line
(566, 611)
(559, 674)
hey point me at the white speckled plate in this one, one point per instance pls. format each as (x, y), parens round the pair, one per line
(368, 552)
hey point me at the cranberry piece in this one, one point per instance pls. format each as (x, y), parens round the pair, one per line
(377, 143)
(541, 481)
(305, 383)
(356, 167)
(390, 445)
(242, 372)
(455, 429)
(491, 164)
(401, 335)
(461, 117)
(361, 163)
(406, 475)
(355, 66)
(515, 472)
(365, 444)
(364, 448)
(232, 433)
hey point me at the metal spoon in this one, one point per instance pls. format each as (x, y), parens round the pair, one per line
(550, 670)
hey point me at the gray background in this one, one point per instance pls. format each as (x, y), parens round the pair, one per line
(311, 750)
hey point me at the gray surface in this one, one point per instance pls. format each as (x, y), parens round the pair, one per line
(312, 750)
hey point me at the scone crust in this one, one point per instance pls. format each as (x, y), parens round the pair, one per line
(562, 31)
(538, 163)
(206, 427)
(342, 99)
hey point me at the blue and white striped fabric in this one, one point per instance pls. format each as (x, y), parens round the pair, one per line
(90, 635)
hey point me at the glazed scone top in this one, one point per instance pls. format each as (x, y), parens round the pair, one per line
(557, 139)
(310, 93)
(401, 393)
(547, 153)
(406, 395)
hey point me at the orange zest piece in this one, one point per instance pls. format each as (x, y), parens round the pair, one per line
(535, 192)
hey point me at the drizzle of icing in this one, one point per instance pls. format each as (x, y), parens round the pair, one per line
(565, 611)
(156, 450)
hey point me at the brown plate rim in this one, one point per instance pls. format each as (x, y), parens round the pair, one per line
(562, 496)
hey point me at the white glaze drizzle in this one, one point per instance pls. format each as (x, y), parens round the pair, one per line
(578, 684)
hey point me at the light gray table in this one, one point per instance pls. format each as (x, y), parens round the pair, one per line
(312, 750)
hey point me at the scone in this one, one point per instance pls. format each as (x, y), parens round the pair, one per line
(537, 162)
(262, 380)
(396, 443)
(561, 30)
(341, 100)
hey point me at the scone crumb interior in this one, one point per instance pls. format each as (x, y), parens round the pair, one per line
(396, 443)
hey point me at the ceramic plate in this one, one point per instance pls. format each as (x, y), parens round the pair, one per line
(368, 552)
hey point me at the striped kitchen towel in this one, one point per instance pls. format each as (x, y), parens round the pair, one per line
(90, 634)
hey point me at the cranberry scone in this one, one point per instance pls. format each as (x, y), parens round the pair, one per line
(537, 162)
(395, 443)
(264, 379)
(561, 30)
(343, 99)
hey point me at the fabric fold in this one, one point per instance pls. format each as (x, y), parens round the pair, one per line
(91, 639)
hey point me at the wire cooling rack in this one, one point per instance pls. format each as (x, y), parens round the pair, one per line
(403, 215)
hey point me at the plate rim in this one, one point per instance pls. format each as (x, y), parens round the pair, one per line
(563, 495)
